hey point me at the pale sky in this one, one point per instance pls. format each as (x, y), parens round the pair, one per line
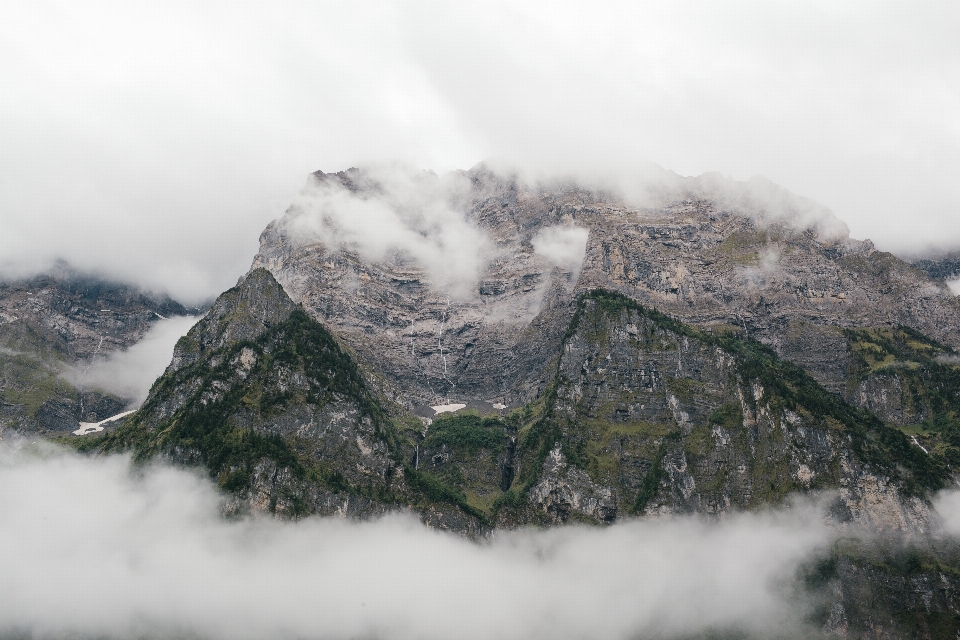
(153, 142)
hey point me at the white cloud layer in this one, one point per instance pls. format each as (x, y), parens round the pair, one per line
(153, 141)
(90, 549)
(131, 373)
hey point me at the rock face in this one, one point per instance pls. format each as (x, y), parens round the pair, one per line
(643, 415)
(265, 399)
(701, 352)
(944, 268)
(788, 277)
(653, 416)
(53, 321)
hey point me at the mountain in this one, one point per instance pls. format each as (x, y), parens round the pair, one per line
(712, 376)
(776, 268)
(493, 354)
(61, 320)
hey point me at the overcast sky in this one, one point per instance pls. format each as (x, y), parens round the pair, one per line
(154, 142)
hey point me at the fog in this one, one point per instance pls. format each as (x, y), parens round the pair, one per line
(153, 141)
(91, 549)
(409, 215)
(563, 246)
(131, 373)
(947, 505)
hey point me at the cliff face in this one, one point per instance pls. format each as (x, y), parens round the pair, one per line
(788, 277)
(643, 415)
(51, 322)
(649, 415)
(265, 399)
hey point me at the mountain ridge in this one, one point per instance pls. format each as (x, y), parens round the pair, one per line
(617, 361)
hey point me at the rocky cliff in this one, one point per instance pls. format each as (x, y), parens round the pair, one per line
(643, 414)
(703, 250)
(66, 319)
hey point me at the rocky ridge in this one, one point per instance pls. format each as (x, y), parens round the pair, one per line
(65, 318)
(690, 252)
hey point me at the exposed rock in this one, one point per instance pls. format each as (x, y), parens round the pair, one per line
(696, 252)
(943, 268)
(663, 418)
(61, 319)
(265, 399)
(643, 380)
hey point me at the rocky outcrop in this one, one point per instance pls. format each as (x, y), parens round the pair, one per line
(65, 319)
(243, 313)
(265, 399)
(885, 589)
(942, 268)
(653, 416)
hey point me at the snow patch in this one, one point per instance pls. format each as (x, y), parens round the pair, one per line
(93, 427)
(444, 408)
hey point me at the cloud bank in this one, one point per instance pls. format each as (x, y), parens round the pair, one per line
(131, 373)
(154, 141)
(91, 549)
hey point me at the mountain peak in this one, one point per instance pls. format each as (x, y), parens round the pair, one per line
(245, 312)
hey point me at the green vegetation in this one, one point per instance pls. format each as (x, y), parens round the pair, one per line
(787, 386)
(729, 416)
(207, 429)
(435, 489)
(931, 369)
(468, 433)
(29, 382)
(928, 375)
(878, 264)
(651, 481)
(739, 241)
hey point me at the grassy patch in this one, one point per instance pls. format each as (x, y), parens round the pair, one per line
(467, 433)
(739, 241)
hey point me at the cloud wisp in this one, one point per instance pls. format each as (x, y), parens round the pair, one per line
(400, 215)
(562, 246)
(91, 549)
(131, 373)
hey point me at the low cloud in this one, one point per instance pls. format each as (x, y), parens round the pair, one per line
(129, 161)
(91, 549)
(954, 286)
(947, 504)
(766, 268)
(131, 373)
(646, 184)
(399, 215)
(563, 246)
